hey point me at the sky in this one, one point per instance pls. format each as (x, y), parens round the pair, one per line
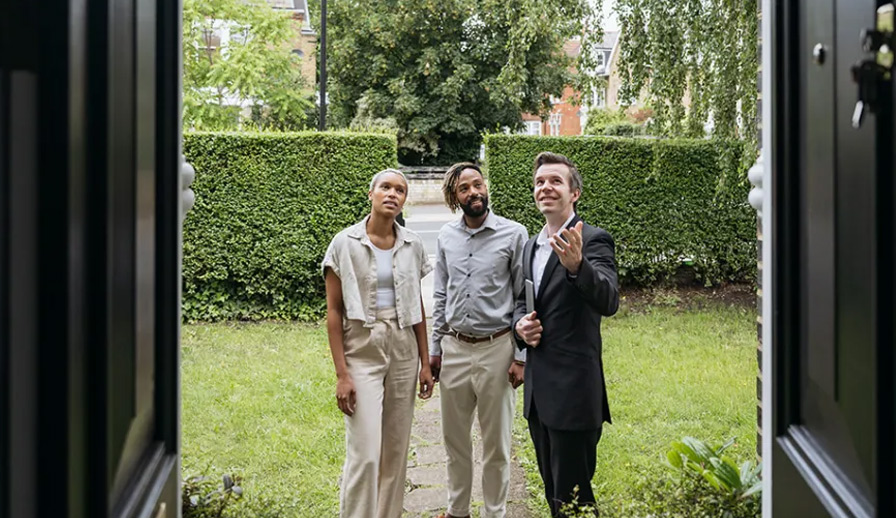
(610, 23)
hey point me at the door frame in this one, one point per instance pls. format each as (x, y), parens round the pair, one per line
(766, 210)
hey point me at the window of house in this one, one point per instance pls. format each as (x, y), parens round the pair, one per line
(554, 123)
(239, 35)
(599, 100)
(532, 127)
(212, 40)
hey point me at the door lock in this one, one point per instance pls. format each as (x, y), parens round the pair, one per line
(869, 73)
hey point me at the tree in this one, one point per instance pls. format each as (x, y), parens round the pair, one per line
(707, 49)
(254, 68)
(444, 71)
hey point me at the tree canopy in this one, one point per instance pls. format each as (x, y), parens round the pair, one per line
(698, 52)
(441, 72)
(253, 68)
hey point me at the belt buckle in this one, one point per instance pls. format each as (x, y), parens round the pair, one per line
(470, 339)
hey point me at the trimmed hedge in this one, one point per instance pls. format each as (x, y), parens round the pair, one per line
(267, 206)
(665, 202)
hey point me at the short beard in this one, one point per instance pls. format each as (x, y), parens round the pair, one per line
(470, 212)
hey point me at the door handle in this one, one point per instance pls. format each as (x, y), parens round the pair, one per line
(869, 73)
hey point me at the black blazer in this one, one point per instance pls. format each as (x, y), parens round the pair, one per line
(564, 374)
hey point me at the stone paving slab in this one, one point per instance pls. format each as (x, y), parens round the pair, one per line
(427, 475)
(429, 455)
(427, 469)
(424, 499)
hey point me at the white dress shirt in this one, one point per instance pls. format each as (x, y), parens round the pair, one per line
(543, 252)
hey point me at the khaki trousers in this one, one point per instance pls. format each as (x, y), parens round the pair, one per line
(383, 364)
(474, 378)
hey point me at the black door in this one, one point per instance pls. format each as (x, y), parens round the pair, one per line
(833, 369)
(90, 215)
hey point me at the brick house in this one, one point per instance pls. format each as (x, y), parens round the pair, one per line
(304, 41)
(566, 118)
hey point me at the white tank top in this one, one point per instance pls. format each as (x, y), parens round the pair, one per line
(385, 283)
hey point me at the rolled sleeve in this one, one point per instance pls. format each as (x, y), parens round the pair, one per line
(329, 261)
(425, 265)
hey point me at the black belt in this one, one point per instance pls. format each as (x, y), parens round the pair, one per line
(477, 339)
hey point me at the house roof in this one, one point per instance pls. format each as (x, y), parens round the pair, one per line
(609, 41)
(299, 6)
(572, 48)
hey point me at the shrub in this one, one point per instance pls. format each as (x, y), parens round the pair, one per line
(267, 206)
(201, 497)
(687, 496)
(640, 115)
(625, 129)
(694, 457)
(664, 201)
(705, 484)
(600, 118)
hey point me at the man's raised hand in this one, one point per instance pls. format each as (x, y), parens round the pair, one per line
(567, 244)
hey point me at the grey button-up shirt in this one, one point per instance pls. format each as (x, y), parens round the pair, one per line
(478, 275)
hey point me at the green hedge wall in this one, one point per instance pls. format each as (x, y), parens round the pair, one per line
(664, 201)
(267, 206)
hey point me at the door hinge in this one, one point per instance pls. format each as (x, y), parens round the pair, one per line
(870, 73)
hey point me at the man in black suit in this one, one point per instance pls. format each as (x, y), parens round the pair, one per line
(573, 268)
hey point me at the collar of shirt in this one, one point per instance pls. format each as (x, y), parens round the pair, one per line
(491, 222)
(542, 239)
(359, 231)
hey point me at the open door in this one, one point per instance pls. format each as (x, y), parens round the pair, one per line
(90, 226)
(833, 259)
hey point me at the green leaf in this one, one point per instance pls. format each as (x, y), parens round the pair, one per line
(726, 472)
(674, 458)
(702, 452)
(754, 489)
(730, 442)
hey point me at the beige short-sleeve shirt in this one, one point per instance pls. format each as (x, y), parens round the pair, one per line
(352, 259)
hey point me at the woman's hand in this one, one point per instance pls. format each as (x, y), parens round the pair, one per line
(426, 383)
(345, 395)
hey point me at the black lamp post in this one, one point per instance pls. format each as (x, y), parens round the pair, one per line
(323, 66)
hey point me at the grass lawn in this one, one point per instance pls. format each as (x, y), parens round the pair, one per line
(257, 400)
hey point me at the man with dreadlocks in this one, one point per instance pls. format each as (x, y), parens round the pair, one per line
(473, 354)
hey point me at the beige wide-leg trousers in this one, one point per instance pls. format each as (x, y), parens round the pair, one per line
(383, 363)
(474, 378)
